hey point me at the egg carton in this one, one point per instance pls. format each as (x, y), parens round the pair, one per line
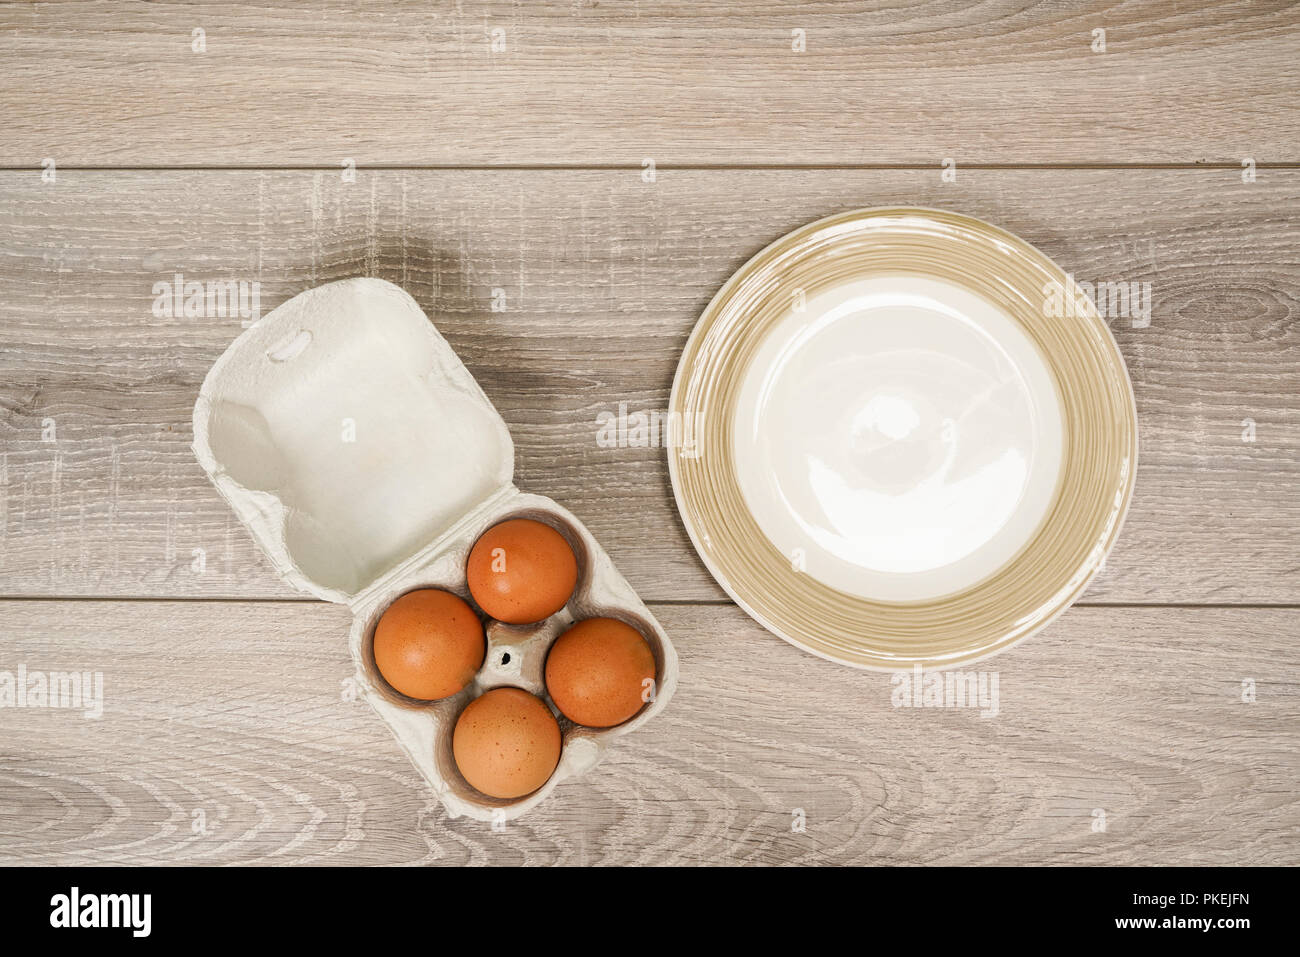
(365, 460)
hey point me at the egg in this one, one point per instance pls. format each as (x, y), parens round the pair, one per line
(599, 671)
(521, 571)
(429, 644)
(506, 743)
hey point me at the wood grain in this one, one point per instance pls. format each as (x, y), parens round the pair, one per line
(235, 710)
(567, 272)
(603, 276)
(408, 82)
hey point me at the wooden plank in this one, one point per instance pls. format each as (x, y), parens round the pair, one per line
(603, 276)
(232, 714)
(595, 319)
(406, 82)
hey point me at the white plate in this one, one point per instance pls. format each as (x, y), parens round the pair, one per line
(896, 447)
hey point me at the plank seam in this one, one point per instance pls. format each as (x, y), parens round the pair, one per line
(661, 167)
(665, 602)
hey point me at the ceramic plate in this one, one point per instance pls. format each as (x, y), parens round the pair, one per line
(903, 436)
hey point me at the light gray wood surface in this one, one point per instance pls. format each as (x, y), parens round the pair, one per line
(603, 276)
(236, 710)
(519, 214)
(414, 82)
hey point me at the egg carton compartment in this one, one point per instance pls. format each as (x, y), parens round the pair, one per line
(515, 657)
(353, 444)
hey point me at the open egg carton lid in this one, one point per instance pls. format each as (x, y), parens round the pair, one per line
(348, 437)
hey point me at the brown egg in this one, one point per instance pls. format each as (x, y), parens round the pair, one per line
(506, 743)
(597, 671)
(521, 571)
(429, 644)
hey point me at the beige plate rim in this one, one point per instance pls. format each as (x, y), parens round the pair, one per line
(790, 237)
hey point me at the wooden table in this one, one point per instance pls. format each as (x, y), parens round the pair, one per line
(562, 187)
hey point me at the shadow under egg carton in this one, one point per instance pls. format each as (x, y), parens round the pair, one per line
(515, 658)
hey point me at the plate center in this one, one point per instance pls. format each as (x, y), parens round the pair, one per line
(899, 437)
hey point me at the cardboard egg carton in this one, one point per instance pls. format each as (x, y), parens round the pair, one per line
(365, 460)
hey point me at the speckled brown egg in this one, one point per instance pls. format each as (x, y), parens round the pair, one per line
(521, 571)
(429, 644)
(506, 743)
(600, 672)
